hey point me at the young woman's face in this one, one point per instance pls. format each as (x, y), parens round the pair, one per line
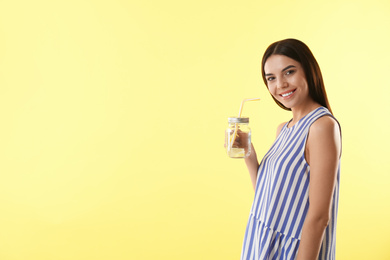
(286, 81)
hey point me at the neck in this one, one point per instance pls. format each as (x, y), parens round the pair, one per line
(301, 111)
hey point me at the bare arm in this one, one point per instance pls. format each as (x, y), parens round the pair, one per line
(252, 164)
(323, 150)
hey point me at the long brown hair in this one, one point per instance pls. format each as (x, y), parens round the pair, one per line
(300, 52)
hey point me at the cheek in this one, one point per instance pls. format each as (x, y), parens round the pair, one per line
(304, 86)
(272, 89)
(301, 81)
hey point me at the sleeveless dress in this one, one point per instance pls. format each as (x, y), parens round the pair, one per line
(281, 198)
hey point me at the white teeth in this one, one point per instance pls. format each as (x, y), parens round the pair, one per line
(287, 94)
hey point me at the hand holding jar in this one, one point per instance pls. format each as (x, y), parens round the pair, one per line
(238, 137)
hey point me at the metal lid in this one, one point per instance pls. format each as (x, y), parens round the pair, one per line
(238, 120)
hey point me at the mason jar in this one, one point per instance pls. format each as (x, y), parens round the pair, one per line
(238, 137)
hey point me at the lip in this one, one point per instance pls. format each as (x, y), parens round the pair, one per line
(287, 97)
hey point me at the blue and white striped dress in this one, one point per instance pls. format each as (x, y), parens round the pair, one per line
(282, 198)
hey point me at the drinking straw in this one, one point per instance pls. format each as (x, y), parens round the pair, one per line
(242, 104)
(233, 138)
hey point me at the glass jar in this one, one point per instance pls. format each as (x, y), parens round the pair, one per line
(238, 137)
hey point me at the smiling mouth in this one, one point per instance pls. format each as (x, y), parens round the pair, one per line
(288, 93)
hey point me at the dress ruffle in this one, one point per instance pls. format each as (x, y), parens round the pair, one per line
(269, 244)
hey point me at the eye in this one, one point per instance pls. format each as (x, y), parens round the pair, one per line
(289, 72)
(270, 78)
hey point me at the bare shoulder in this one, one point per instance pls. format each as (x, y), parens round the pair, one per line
(325, 126)
(324, 136)
(280, 128)
(325, 133)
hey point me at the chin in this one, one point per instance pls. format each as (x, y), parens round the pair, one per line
(286, 105)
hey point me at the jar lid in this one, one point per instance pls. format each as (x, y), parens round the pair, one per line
(238, 120)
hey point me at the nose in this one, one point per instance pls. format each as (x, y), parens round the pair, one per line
(282, 83)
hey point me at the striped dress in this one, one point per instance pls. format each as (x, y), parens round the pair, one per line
(282, 198)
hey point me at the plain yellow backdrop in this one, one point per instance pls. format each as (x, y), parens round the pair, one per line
(113, 116)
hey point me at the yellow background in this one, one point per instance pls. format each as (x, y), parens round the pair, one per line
(113, 116)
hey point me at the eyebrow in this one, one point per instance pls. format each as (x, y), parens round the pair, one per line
(286, 68)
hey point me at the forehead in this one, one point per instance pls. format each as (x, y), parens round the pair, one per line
(276, 63)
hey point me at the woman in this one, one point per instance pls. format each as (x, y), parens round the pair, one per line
(294, 212)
